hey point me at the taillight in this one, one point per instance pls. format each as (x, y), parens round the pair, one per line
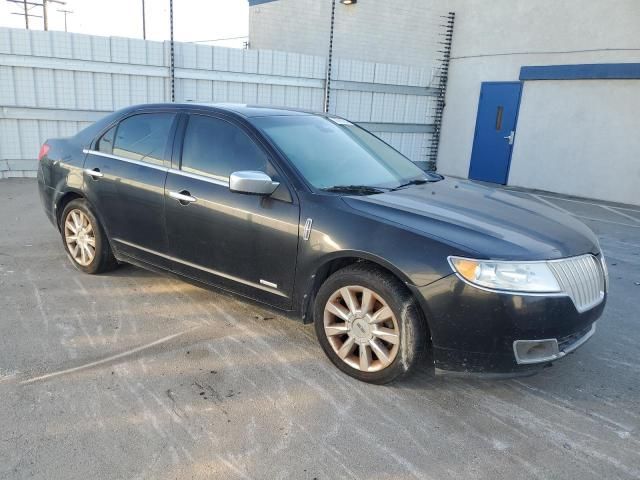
(44, 149)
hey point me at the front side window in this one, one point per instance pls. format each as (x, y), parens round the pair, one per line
(218, 148)
(333, 152)
(144, 137)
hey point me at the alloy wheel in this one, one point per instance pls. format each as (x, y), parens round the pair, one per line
(80, 237)
(361, 328)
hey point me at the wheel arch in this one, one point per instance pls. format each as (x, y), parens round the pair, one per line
(63, 201)
(333, 263)
(71, 195)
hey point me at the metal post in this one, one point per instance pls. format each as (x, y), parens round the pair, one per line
(44, 15)
(171, 54)
(432, 156)
(144, 26)
(327, 80)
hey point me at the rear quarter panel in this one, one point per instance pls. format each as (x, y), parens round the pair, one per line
(60, 172)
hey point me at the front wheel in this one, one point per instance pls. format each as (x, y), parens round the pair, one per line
(368, 324)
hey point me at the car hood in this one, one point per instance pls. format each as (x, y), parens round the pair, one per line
(483, 221)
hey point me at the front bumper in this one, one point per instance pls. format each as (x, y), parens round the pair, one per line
(476, 331)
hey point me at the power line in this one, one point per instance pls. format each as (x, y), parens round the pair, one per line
(219, 39)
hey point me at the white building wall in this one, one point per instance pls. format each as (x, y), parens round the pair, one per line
(371, 30)
(582, 148)
(493, 40)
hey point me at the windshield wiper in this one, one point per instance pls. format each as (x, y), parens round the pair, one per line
(356, 189)
(436, 177)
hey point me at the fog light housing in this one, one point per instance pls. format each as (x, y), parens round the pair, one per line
(536, 351)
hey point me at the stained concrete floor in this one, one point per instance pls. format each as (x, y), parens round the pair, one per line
(136, 375)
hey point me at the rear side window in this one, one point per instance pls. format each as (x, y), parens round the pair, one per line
(105, 144)
(144, 137)
(218, 148)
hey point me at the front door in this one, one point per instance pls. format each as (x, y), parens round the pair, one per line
(243, 243)
(495, 131)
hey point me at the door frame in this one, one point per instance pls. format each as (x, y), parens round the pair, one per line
(515, 123)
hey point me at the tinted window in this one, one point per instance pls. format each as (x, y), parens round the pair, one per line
(143, 137)
(219, 148)
(105, 144)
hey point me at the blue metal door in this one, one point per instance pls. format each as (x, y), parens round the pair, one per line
(495, 131)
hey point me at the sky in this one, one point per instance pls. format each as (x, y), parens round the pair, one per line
(194, 20)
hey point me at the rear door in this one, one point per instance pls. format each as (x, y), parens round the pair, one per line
(244, 243)
(495, 131)
(125, 173)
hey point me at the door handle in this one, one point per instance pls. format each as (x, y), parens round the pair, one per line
(95, 173)
(510, 137)
(183, 197)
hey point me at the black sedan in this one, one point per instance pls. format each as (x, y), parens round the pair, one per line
(313, 215)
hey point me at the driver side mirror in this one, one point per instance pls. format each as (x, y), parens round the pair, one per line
(252, 182)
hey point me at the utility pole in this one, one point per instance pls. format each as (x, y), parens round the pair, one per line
(29, 4)
(26, 5)
(144, 27)
(26, 15)
(65, 16)
(44, 12)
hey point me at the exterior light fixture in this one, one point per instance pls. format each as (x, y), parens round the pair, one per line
(348, 2)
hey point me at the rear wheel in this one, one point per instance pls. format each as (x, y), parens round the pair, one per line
(84, 239)
(368, 324)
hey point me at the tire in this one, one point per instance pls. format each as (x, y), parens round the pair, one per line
(400, 329)
(79, 227)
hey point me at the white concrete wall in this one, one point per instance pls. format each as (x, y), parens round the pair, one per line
(492, 40)
(372, 30)
(580, 137)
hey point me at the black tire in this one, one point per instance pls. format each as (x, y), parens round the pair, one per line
(103, 260)
(409, 319)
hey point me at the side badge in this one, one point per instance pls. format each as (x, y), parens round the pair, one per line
(307, 229)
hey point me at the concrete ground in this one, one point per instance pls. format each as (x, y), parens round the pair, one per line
(135, 375)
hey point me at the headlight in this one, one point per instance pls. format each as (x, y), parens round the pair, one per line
(530, 277)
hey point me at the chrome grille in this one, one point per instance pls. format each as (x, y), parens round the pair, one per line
(582, 278)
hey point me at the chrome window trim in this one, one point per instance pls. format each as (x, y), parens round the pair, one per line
(205, 269)
(222, 181)
(216, 181)
(561, 353)
(124, 159)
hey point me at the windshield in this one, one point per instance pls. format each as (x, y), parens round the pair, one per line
(335, 153)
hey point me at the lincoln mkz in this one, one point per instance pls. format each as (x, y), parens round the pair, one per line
(318, 218)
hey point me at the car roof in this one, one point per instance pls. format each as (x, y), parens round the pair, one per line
(247, 111)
